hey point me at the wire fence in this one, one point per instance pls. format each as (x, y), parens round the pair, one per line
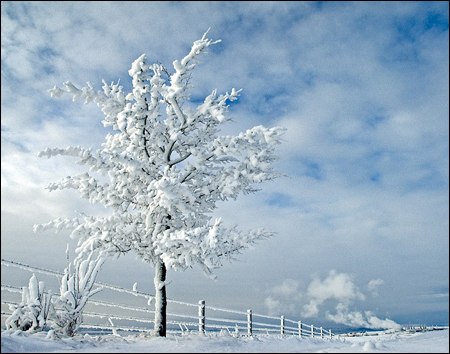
(136, 314)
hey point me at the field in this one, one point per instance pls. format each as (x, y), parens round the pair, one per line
(397, 342)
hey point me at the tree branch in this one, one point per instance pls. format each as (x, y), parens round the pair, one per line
(168, 152)
(173, 102)
(180, 159)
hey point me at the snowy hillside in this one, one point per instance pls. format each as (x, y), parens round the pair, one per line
(400, 342)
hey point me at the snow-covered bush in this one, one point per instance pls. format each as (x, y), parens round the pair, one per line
(40, 309)
(36, 307)
(76, 289)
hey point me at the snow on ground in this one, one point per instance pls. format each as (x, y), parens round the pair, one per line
(400, 342)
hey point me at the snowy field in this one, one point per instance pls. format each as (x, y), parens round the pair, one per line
(400, 342)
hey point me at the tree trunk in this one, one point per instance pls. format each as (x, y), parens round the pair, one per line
(161, 299)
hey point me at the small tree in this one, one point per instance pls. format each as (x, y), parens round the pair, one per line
(166, 170)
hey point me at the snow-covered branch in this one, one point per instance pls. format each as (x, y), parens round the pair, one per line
(166, 169)
(76, 288)
(32, 313)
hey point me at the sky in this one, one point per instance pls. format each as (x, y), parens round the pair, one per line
(362, 215)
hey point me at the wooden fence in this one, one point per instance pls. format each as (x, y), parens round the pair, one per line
(102, 317)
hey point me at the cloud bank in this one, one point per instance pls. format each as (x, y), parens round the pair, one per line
(337, 290)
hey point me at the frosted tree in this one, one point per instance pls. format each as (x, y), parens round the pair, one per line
(166, 168)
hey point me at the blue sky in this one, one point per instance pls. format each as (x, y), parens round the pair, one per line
(362, 88)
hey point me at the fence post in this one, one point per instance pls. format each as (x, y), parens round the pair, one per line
(300, 329)
(249, 322)
(201, 316)
(312, 331)
(282, 324)
(321, 332)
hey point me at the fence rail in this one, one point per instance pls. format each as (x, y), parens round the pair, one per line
(136, 319)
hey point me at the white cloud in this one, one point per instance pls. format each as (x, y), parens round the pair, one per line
(373, 286)
(337, 290)
(337, 286)
(288, 288)
(358, 319)
(284, 298)
(273, 306)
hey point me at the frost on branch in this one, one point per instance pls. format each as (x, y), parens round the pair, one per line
(164, 168)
